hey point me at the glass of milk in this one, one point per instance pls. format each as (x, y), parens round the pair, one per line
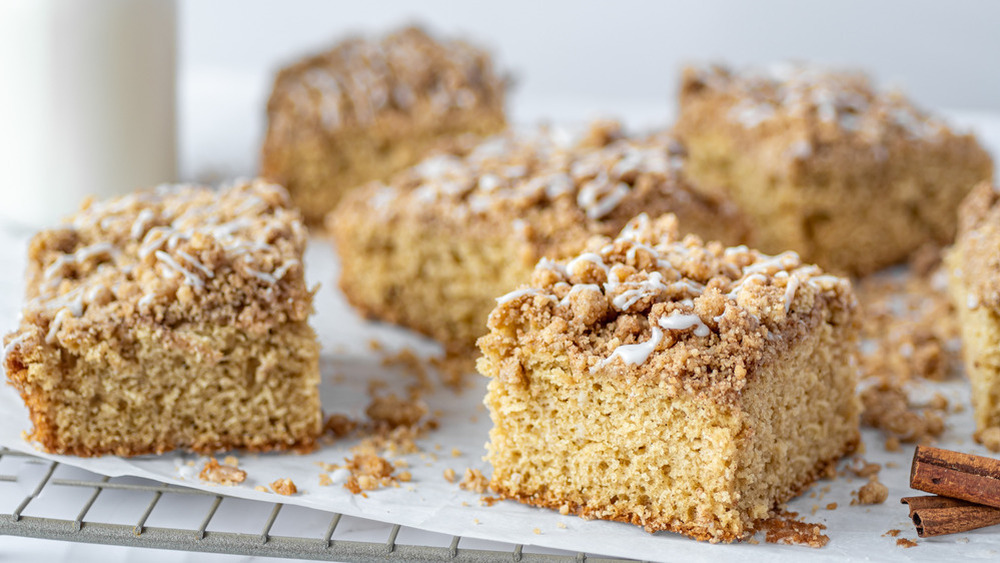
(87, 103)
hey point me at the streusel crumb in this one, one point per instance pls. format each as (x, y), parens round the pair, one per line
(284, 486)
(222, 474)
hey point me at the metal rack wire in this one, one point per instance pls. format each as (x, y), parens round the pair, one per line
(87, 527)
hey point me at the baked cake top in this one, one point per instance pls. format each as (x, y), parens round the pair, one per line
(830, 103)
(979, 239)
(406, 72)
(548, 180)
(169, 255)
(667, 311)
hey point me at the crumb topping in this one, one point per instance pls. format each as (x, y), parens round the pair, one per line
(529, 168)
(834, 102)
(169, 255)
(407, 72)
(979, 238)
(545, 180)
(622, 304)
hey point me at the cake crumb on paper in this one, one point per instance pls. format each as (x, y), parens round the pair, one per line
(784, 528)
(225, 474)
(474, 481)
(873, 492)
(284, 486)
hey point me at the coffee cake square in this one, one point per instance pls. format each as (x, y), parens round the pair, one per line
(368, 108)
(670, 383)
(170, 318)
(974, 284)
(434, 246)
(825, 164)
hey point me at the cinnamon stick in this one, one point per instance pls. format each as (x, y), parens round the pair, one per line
(931, 501)
(958, 475)
(935, 516)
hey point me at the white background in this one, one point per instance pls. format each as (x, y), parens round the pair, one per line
(576, 59)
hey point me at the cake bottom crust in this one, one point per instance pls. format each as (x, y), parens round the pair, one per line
(199, 388)
(547, 499)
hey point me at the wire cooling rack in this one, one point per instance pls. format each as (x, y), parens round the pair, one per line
(38, 499)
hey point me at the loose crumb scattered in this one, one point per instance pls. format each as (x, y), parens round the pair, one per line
(231, 460)
(284, 487)
(449, 475)
(910, 321)
(785, 529)
(340, 425)
(892, 533)
(474, 481)
(369, 472)
(475, 521)
(862, 468)
(455, 452)
(872, 492)
(489, 501)
(393, 412)
(903, 542)
(261, 489)
(537, 531)
(831, 506)
(325, 480)
(561, 525)
(226, 474)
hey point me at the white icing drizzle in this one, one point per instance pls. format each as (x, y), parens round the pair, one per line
(382, 197)
(649, 287)
(680, 321)
(790, 287)
(53, 274)
(547, 264)
(189, 277)
(772, 264)
(738, 286)
(262, 276)
(599, 197)
(141, 223)
(518, 293)
(591, 257)
(14, 343)
(56, 324)
(146, 300)
(153, 241)
(633, 354)
(197, 264)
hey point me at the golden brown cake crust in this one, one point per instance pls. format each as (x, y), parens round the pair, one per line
(538, 193)
(370, 107)
(720, 312)
(852, 178)
(695, 531)
(979, 236)
(182, 268)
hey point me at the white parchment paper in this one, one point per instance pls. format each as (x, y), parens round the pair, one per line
(431, 503)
